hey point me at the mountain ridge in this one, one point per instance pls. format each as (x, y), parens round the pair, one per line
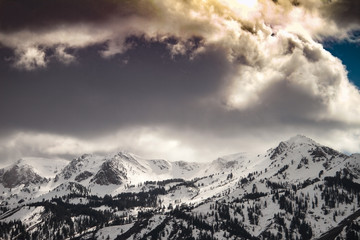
(297, 190)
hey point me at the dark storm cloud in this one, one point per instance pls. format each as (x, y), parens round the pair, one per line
(145, 86)
(43, 14)
(343, 12)
(40, 14)
(94, 95)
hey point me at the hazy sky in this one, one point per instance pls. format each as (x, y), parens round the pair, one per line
(176, 79)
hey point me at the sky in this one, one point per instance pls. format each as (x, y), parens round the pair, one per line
(348, 53)
(176, 79)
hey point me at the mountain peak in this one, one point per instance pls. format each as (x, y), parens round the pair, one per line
(300, 140)
(19, 174)
(20, 161)
(294, 142)
(125, 154)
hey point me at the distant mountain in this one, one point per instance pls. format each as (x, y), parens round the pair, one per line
(299, 189)
(19, 174)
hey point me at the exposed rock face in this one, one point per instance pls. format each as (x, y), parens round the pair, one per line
(72, 167)
(222, 164)
(325, 153)
(17, 175)
(83, 176)
(186, 165)
(278, 150)
(111, 172)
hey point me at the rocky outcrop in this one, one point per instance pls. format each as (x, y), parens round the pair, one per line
(72, 167)
(111, 172)
(18, 175)
(83, 176)
(278, 150)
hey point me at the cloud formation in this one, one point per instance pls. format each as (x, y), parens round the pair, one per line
(263, 64)
(226, 23)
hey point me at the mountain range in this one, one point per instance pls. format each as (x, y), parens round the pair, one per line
(299, 189)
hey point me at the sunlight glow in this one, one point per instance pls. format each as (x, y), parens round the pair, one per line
(241, 4)
(248, 3)
(244, 8)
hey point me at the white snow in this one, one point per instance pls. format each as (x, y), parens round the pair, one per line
(28, 215)
(113, 231)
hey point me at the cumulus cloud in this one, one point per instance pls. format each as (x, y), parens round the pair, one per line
(224, 22)
(277, 71)
(237, 26)
(30, 58)
(63, 56)
(150, 142)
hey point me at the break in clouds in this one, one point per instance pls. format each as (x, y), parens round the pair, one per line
(194, 79)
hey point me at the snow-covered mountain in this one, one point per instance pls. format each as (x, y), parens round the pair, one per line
(299, 189)
(19, 174)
